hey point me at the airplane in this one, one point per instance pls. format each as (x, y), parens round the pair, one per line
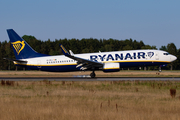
(105, 61)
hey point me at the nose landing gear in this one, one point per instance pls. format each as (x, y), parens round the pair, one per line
(160, 69)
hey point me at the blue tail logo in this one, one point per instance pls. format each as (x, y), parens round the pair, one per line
(18, 46)
(21, 49)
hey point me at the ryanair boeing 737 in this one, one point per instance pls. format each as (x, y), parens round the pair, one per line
(105, 61)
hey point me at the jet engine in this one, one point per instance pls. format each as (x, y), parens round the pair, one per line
(111, 67)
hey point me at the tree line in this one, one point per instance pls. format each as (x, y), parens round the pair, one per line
(84, 45)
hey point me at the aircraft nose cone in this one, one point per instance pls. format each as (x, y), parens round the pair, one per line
(173, 58)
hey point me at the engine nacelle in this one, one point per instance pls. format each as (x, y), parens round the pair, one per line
(111, 67)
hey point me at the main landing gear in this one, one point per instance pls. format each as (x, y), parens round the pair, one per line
(93, 75)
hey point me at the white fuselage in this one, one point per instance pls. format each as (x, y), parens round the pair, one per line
(124, 58)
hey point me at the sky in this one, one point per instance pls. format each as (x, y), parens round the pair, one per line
(155, 22)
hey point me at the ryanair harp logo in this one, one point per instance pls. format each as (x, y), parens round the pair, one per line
(18, 46)
(150, 54)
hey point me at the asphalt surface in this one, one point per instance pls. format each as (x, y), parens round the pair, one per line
(88, 79)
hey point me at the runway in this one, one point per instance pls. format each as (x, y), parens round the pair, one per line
(89, 79)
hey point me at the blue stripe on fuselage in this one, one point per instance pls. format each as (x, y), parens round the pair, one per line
(68, 68)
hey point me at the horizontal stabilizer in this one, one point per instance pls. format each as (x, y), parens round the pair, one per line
(21, 61)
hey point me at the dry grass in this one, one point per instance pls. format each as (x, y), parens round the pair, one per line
(124, 73)
(125, 100)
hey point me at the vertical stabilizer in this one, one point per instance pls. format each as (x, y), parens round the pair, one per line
(21, 49)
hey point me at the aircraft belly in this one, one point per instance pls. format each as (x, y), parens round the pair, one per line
(55, 68)
(137, 64)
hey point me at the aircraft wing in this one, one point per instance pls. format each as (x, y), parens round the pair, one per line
(81, 62)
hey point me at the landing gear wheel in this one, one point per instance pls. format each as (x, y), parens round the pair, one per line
(93, 75)
(160, 69)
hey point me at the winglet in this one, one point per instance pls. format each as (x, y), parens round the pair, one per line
(71, 53)
(65, 52)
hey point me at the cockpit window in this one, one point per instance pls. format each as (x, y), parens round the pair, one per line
(165, 53)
